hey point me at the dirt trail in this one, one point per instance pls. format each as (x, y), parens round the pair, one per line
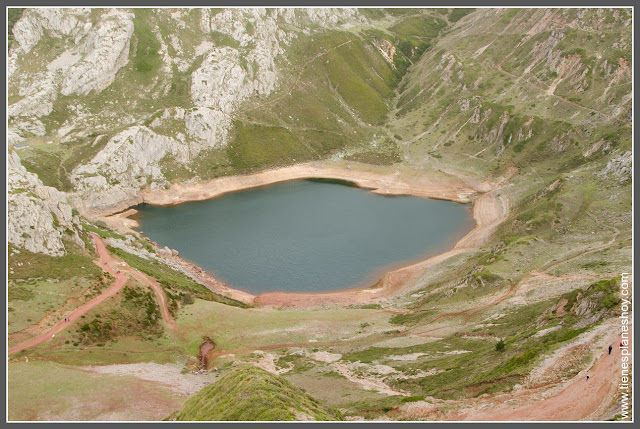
(489, 211)
(579, 399)
(157, 290)
(106, 262)
(112, 266)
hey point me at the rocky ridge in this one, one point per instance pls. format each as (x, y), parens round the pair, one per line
(98, 43)
(40, 215)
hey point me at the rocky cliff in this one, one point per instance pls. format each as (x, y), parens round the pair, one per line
(131, 99)
(73, 70)
(41, 218)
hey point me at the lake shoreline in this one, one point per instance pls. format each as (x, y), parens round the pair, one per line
(489, 209)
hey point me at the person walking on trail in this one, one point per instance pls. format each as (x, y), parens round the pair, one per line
(587, 378)
(610, 348)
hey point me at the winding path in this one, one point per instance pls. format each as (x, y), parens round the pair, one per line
(107, 263)
(579, 399)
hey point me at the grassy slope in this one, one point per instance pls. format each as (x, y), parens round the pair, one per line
(252, 394)
(175, 284)
(335, 84)
(547, 227)
(548, 231)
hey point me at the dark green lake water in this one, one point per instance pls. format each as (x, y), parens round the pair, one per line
(305, 235)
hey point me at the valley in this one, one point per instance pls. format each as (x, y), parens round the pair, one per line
(525, 114)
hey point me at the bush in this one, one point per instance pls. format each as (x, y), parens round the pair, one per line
(187, 299)
(500, 346)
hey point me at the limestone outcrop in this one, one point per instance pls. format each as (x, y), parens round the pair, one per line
(104, 51)
(230, 58)
(619, 167)
(92, 57)
(40, 215)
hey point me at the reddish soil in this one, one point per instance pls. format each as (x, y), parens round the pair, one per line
(106, 263)
(490, 209)
(116, 269)
(579, 399)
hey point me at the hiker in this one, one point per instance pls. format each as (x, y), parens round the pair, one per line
(587, 378)
(610, 349)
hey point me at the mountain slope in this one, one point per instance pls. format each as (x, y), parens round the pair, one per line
(531, 104)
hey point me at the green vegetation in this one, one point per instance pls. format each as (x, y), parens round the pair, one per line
(457, 13)
(604, 293)
(68, 392)
(261, 146)
(136, 314)
(13, 15)
(222, 39)
(478, 371)
(419, 27)
(340, 84)
(482, 105)
(26, 265)
(31, 300)
(147, 60)
(53, 163)
(173, 282)
(252, 394)
(372, 13)
(385, 153)
(361, 87)
(102, 230)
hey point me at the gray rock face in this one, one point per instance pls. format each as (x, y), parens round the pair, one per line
(92, 58)
(130, 160)
(620, 167)
(104, 51)
(39, 214)
(56, 22)
(91, 47)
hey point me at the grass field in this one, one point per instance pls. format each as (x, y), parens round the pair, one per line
(50, 391)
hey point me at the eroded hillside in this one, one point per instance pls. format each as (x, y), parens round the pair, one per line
(529, 109)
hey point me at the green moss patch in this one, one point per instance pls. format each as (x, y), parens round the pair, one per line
(252, 394)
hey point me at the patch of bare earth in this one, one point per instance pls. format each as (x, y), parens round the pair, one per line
(267, 361)
(168, 374)
(557, 389)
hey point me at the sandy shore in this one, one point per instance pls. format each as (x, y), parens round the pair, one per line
(431, 186)
(490, 208)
